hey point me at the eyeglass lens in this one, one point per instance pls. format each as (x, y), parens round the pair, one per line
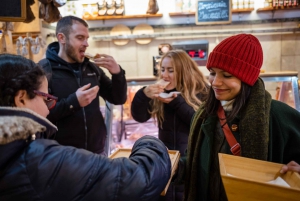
(50, 103)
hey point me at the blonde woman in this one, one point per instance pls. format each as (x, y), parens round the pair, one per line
(173, 114)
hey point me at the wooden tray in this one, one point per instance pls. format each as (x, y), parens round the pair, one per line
(174, 156)
(245, 179)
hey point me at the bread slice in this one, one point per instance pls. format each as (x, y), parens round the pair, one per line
(163, 83)
(88, 55)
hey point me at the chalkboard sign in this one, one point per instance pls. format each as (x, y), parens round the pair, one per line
(13, 10)
(213, 12)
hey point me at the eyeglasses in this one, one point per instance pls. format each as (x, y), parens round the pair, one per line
(50, 101)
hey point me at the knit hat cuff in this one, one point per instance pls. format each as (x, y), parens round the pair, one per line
(244, 71)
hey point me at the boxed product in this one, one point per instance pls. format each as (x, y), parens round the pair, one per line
(249, 179)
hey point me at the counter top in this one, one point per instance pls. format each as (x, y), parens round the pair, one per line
(279, 74)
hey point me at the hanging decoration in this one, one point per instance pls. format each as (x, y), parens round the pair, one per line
(6, 37)
(28, 45)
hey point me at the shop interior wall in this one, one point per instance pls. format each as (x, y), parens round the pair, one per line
(281, 50)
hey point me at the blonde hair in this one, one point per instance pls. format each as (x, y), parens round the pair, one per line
(189, 81)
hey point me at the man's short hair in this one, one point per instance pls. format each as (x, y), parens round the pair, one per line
(64, 25)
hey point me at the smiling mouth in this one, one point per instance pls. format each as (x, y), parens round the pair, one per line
(220, 90)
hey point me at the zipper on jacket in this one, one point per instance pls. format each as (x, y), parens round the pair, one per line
(174, 147)
(79, 81)
(83, 111)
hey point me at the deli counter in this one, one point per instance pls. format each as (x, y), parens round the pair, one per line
(123, 130)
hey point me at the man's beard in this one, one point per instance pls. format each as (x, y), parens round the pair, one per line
(71, 52)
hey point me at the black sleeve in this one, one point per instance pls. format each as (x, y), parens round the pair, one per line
(64, 107)
(113, 90)
(140, 106)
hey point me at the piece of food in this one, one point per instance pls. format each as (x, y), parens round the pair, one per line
(88, 55)
(163, 83)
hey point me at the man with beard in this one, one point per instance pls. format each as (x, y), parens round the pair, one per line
(77, 82)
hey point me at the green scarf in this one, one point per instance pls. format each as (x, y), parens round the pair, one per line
(254, 132)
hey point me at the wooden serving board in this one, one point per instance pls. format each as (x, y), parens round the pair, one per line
(120, 30)
(174, 156)
(247, 179)
(141, 29)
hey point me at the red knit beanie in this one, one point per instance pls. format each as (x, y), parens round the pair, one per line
(240, 55)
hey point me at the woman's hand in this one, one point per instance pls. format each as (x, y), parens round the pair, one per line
(167, 100)
(291, 166)
(152, 91)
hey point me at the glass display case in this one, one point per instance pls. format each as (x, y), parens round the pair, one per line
(123, 130)
(283, 86)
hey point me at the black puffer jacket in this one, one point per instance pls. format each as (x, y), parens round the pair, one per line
(174, 131)
(81, 127)
(44, 170)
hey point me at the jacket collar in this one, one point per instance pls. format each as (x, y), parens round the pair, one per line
(20, 124)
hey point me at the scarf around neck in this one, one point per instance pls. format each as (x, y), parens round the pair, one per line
(254, 132)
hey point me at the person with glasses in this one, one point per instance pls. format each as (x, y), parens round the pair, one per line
(34, 168)
(49, 99)
(78, 82)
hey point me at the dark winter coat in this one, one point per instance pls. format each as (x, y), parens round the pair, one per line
(42, 169)
(173, 132)
(77, 126)
(268, 129)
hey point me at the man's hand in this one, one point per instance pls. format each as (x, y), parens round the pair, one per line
(85, 95)
(108, 62)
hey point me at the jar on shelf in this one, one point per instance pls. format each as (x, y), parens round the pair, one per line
(178, 5)
(94, 9)
(234, 4)
(246, 3)
(251, 4)
(240, 4)
(266, 3)
(86, 11)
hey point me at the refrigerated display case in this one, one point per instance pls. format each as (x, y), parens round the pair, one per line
(123, 131)
(283, 86)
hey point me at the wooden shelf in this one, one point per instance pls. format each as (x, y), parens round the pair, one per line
(277, 8)
(181, 14)
(241, 10)
(112, 17)
(193, 13)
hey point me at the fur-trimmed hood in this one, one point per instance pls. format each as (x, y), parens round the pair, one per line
(17, 124)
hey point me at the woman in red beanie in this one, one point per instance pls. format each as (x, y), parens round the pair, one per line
(263, 128)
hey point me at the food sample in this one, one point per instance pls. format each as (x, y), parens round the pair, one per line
(90, 56)
(168, 95)
(163, 83)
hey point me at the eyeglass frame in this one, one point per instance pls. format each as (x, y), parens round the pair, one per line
(49, 96)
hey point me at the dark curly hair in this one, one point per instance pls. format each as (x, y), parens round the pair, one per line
(18, 73)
